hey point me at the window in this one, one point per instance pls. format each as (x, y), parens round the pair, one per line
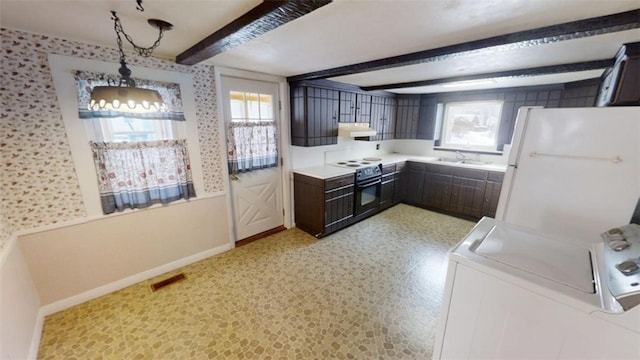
(64, 70)
(139, 158)
(126, 129)
(471, 125)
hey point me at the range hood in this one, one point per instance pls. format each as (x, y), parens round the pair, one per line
(355, 130)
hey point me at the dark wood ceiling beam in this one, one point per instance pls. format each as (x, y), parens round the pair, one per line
(550, 34)
(263, 18)
(544, 70)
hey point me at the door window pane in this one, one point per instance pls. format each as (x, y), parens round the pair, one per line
(250, 106)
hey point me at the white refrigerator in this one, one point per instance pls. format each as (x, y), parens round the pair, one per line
(573, 172)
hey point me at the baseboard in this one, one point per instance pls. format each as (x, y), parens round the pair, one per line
(120, 284)
(109, 288)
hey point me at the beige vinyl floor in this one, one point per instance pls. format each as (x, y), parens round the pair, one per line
(371, 291)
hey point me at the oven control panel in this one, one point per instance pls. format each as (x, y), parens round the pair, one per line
(622, 263)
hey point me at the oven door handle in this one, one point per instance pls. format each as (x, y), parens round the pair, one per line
(367, 184)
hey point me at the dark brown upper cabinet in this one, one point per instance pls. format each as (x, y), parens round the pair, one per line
(354, 107)
(621, 83)
(408, 113)
(314, 116)
(383, 117)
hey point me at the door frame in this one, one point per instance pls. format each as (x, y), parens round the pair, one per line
(284, 134)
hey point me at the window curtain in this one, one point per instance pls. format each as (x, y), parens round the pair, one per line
(170, 93)
(138, 175)
(251, 146)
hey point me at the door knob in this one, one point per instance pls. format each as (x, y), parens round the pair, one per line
(234, 178)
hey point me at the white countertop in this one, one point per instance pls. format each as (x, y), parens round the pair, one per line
(328, 171)
(324, 171)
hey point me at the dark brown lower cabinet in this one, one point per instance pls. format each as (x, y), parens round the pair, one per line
(467, 192)
(463, 192)
(437, 188)
(323, 206)
(414, 183)
(326, 206)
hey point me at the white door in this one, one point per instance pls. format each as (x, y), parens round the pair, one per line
(256, 195)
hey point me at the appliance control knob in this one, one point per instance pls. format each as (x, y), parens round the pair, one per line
(619, 245)
(614, 231)
(628, 267)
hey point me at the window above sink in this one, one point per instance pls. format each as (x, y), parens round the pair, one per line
(470, 126)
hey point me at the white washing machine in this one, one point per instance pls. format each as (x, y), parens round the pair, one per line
(514, 293)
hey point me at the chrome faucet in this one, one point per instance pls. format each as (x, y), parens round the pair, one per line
(460, 156)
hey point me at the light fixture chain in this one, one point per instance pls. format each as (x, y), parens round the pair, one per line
(146, 52)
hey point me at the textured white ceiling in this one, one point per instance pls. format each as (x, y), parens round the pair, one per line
(342, 33)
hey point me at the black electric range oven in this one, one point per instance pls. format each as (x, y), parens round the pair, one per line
(367, 189)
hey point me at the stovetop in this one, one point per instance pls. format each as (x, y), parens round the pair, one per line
(358, 163)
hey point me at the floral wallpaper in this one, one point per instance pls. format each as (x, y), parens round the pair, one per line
(37, 176)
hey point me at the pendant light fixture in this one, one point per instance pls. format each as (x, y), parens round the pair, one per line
(125, 96)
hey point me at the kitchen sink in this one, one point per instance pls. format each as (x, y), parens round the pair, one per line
(457, 161)
(474, 162)
(463, 161)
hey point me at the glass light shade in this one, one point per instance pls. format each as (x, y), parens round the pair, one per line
(126, 99)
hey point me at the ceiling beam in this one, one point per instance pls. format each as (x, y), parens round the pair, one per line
(263, 18)
(550, 34)
(544, 70)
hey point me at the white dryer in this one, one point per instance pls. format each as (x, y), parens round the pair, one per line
(512, 292)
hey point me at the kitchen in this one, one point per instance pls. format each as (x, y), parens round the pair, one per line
(72, 208)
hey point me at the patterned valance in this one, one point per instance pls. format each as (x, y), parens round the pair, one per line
(170, 92)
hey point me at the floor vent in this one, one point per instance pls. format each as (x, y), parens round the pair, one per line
(160, 284)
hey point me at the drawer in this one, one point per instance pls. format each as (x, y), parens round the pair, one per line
(340, 181)
(388, 169)
(387, 177)
(416, 166)
(440, 169)
(495, 176)
(470, 173)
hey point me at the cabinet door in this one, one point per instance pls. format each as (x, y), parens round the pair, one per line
(309, 204)
(322, 116)
(347, 107)
(355, 107)
(438, 182)
(399, 186)
(414, 183)
(492, 194)
(388, 183)
(363, 108)
(407, 114)
(386, 191)
(390, 109)
(377, 117)
(437, 190)
(467, 192)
